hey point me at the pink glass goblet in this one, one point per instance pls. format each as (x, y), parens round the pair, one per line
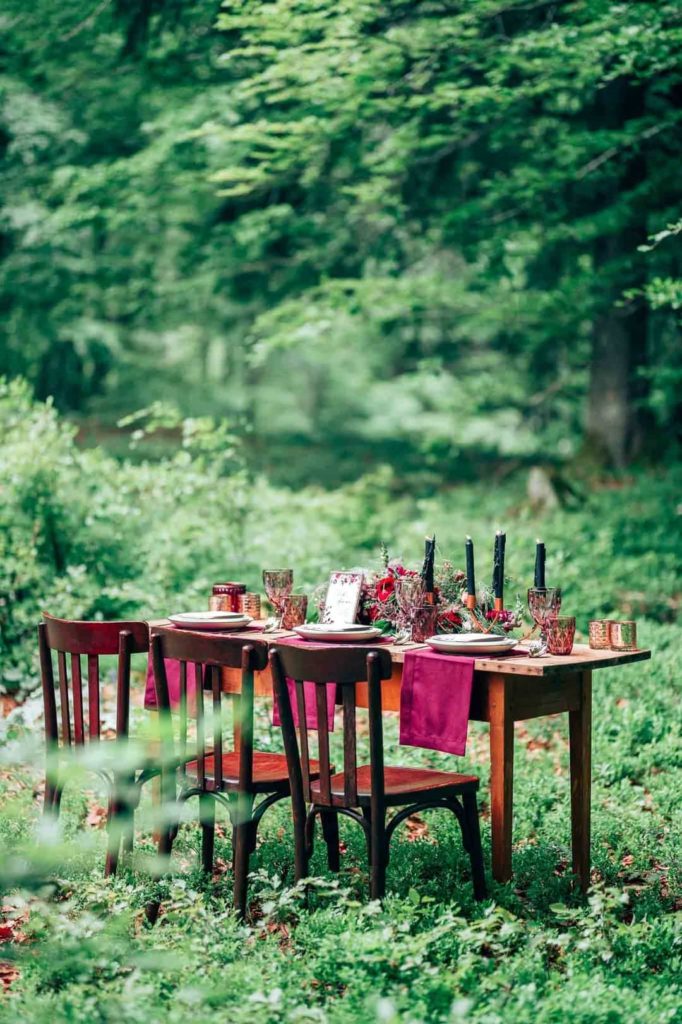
(544, 604)
(278, 585)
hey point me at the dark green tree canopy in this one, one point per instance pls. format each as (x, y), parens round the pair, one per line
(354, 213)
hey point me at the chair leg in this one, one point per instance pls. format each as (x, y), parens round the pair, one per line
(164, 850)
(243, 842)
(377, 871)
(472, 841)
(367, 815)
(115, 823)
(129, 834)
(207, 817)
(132, 801)
(48, 802)
(330, 830)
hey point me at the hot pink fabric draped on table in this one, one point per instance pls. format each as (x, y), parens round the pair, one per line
(435, 697)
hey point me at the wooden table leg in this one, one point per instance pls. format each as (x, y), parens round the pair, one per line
(580, 738)
(501, 775)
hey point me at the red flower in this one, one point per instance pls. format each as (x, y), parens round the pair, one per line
(374, 613)
(451, 618)
(385, 588)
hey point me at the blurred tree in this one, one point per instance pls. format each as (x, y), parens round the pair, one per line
(403, 232)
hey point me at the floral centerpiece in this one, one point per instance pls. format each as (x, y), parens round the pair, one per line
(379, 605)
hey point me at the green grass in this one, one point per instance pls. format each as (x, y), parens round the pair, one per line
(534, 952)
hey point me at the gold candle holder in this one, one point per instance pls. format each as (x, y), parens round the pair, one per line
(252, 605)
(600, 634)
(624, 636)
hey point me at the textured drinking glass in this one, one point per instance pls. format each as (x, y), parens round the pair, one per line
(409, 595)
(543, 604)
(560, 634)
(278, 585)
(295, 611)
(600, 634)
(424, 622)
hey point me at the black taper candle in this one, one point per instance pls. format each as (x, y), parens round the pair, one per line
(540, 555)
(429, 561)
(471, 578)
(496, 565)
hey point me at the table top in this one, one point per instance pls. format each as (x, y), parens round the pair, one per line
(582, 659)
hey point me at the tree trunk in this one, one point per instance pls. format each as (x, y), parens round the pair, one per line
(619, 352)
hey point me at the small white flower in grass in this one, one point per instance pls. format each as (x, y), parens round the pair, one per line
(386, 1011)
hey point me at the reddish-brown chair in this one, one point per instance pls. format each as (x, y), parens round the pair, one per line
(77, 720)
(361, 792)
(237, 778)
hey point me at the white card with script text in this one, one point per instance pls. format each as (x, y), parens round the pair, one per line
(343, 598)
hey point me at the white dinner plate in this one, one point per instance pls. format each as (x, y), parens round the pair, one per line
(444, 644)
(211, 620)
(472, 638)
(338, 634)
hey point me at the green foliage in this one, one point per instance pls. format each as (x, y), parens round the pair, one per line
(87, 536)
(535, 952)
(423, 218)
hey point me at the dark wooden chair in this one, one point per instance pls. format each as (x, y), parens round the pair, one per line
(361, 792)
(80, 721)
(237, 778)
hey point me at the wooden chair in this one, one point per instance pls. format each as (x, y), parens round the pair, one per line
(81, 721)
(361, 792)
(236, 778)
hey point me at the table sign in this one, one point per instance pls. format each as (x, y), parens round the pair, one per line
(343, 598)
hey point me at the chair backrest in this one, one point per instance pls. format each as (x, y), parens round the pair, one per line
(346, 667)
(208, 655)
(92, 640)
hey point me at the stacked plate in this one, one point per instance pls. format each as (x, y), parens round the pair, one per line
(337, 633)
(211, 620)
(471, 643)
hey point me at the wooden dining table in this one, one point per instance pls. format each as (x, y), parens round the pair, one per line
(506, 690)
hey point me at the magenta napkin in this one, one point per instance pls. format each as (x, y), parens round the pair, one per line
(309, 692)
(173, 677)
(435, 697)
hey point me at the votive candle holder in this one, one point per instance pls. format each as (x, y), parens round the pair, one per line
(295, 611)
(252, 605)
(424, 622)
(600, 634)
(560, 631)
(624, 636)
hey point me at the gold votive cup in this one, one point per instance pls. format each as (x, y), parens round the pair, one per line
(600, 634)
(624, 636)
(295, 611)
(252, 605)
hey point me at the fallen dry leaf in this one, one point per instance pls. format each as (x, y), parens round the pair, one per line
(417, 829)
(97, 816)
(8, 975)
(7, 704)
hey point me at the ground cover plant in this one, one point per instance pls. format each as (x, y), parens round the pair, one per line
(76, 948)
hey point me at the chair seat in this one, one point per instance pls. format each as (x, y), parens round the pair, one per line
(402, 785)
(270, 771)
